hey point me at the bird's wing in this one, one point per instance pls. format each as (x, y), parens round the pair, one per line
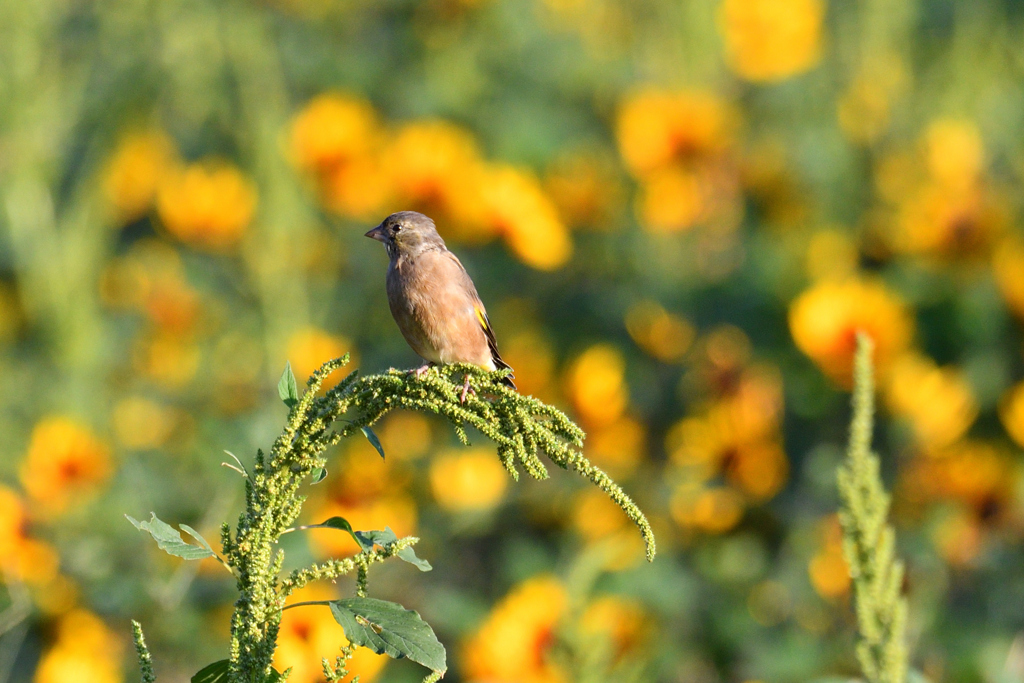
(485, 323)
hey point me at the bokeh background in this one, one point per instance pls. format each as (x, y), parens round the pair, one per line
(678, 213)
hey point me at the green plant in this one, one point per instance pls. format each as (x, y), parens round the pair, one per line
(869, 542)
(521, 426)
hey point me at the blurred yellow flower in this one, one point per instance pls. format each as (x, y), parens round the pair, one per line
(359, 188)
(332, 130)
(865, 108)
(829, 573)
(595, 515)
(660, 128)
(825, 319)
(467, 479)
(585, 189)
(938, 402)
(596, 384)
(1011, 412)
(530, 353)
(958, 537)
(138, 166)
(86, 651)
(437, 169)
(141, 423)
(1008, 268)
(621, 620)
(12, 522)
(65, 462)
(769, 40)
(23, 558)
(618, 447)
(310, 633)
(405, 435)
(512, 644)
(713, 510)
(515, 206)
(831, 255)
(661, 334)
(396, 510)
(310, 347)
(955, 153)
(975, 473)
(208, 204)
(167, 359)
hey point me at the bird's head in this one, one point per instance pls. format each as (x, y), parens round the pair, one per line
(407, 233)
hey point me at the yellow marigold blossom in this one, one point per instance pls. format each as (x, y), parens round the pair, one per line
(515, 206)
(86, 651)
(829, 573)
(831, 255)
(360, 188)
(135, 171)
(332, 130)
(168, 359)
(141, 423)
(938, 402)
(596, 516)
(618, 447)
(464, 480)
(713, 510)
(954, 152)
(310, 633)
(12, 522)
(621, 620)
(1011, 412)
(825, 319)
(769, 40)
(596, 384)
(659, 128)
(671, 200)
(23, 558)
(310, 347)
(1008, 268)
(530, 353)
(661, 334)
(511, 646)
(65, 461)
(942, 221)
(441, 174)
(959, 537)
(208, 204)
(585, 189)
(975, 473)
(405, 435)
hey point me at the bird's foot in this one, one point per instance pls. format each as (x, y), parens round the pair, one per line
(421, 372)
(466, 390)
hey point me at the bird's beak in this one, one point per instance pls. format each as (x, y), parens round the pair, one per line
(377, 233)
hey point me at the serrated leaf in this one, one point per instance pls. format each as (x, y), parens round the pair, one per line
(319, 474)
(374, 441)
(170, 540)
(388, 628)
(213, 673)
(287, 387)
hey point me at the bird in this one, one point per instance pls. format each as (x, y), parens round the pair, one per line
(433, 300)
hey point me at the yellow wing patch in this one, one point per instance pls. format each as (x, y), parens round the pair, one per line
(481, 317)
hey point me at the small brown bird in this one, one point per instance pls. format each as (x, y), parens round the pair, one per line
(433, 299)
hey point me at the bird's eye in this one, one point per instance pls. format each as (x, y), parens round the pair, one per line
(396, 228)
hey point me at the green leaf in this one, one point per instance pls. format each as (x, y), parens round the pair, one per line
(170, 540)
(213, 673)
(319, 474)
(287, 388)
(342, 524)
(409, 555)
(273, 677)
(388, 628)
(374, 441)
(195, 534)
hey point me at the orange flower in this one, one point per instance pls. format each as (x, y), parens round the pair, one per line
(310, 633)
(515, 206)
(468, 480)
(512, 644)
(208, 204)
(65, 461)
(769, 40)
(830, 575)
(86, 650)
(938, 402)
(713, 510)
(530, 353)
(659, 128)
(333, 130)
(825, 319)
(1011, 412)
(168, 359)
(140, 423)
(618, 447)
(596, 383)
(135, 171)
(584, 187)
(661, 334)
(1008, 267)
(619, 620)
